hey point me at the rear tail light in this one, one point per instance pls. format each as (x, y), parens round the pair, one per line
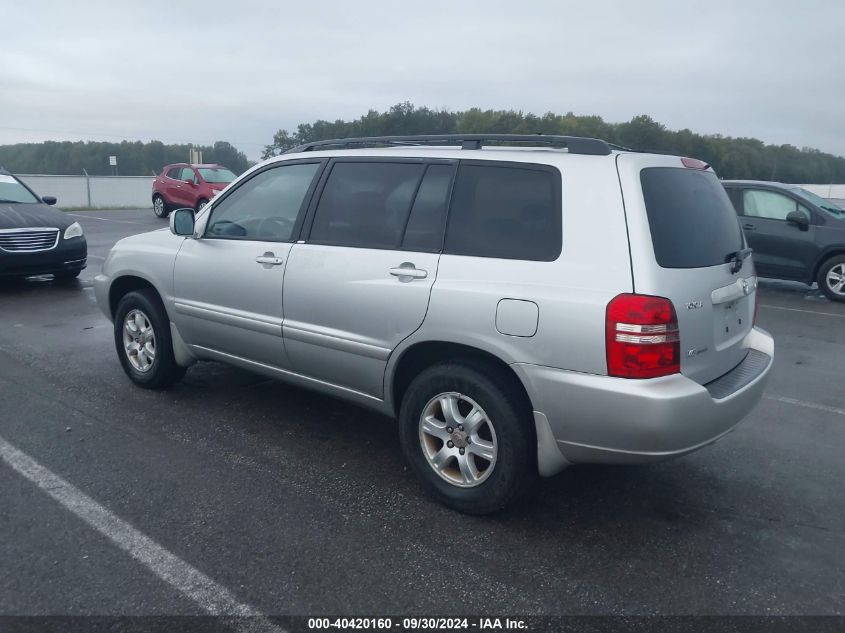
(642, 337)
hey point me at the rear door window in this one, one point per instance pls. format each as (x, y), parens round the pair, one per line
(428, 215)
(692, 221)
(366, 204)
(509, 211)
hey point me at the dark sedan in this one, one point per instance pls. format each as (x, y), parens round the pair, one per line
(36, 239)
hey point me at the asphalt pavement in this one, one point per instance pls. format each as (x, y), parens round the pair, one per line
(287, 502)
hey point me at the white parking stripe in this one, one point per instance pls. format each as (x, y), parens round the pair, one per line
(192, 583)
(830, 314)
(94, 217)
(804, 403)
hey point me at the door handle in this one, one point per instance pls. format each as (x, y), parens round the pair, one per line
(748, 226)
(409, 271)
(268, 259)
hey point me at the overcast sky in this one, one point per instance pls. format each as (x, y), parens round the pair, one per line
(184, 71)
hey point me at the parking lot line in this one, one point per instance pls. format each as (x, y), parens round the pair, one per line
(94, 217)
(830, 314)
(189, 581)
(804, 403)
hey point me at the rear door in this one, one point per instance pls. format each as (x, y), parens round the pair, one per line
(172, 186)
(683, 229)
(360, 282)
(781, 249)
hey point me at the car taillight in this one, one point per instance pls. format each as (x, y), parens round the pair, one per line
(642, 337)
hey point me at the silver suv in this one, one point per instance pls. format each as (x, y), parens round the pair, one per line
(519, 303)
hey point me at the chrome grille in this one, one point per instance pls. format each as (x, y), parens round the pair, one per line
(28, 240)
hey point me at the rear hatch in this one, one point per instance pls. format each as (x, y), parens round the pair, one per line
(683, 231)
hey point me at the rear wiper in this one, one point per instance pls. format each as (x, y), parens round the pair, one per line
(737, 257)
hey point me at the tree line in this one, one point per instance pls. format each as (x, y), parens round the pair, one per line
(134, 158)
(732, 158)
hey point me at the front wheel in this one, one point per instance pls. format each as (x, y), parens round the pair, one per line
(201, 204)
(143, 343)
(468, 436)
(159, 206)
(831, 278)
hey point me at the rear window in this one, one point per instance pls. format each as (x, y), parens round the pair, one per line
(511, 212)
(693, 223)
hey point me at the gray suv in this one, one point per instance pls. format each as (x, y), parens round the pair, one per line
(518, 303)
(795, 234)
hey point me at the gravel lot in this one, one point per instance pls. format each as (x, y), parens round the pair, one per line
(298, 504)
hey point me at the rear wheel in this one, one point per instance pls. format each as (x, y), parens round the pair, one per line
(467, 436)
(159, 206)
(831, 278)
(143, 343)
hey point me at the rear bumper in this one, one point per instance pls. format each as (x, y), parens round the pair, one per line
(67, 256)
(599, 419)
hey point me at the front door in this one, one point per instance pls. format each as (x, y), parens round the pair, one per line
(781, 249)
(228, 283)
(361, 282)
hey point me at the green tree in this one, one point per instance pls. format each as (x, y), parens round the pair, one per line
(731, 157)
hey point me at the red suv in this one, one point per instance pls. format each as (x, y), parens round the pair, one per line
(185, 185)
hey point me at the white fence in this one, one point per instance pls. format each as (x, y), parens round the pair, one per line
(94, 191)
(136, 191)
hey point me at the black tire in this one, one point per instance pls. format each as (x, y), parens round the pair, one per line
(824, 285)
(164, 371)
(515, 467)
(66, 275)
(201, 204)
(161, 210)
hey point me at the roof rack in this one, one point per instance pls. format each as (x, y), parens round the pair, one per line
(574, 144)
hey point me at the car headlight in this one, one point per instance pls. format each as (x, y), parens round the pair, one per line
(74, 230)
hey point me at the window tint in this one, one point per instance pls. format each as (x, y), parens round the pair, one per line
(770, 205)
(510, 212)
(366, 204)
(428, 215)
(691, 219)
(174, 172)
(265, 207)
(188, 174)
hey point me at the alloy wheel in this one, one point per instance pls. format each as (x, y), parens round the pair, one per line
(139, 341)
(835, 279)
(458, 439)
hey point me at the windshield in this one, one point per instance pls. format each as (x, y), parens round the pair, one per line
(215, 174)
(826, 205)
(13, 191)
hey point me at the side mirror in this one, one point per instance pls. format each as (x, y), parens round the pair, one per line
(182, 222)
(798, 219)
(51, 200)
